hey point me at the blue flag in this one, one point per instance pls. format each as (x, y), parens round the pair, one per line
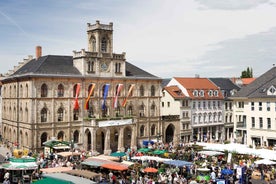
(106, 87)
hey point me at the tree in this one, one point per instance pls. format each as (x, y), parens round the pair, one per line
(248, 73)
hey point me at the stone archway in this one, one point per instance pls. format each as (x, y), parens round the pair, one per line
(114, 139)
(127, 137)
(87, 138)
(169, 133)
(76, 135)
(100, 140)
(43, 138)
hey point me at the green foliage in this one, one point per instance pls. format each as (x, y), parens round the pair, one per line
(248, 73)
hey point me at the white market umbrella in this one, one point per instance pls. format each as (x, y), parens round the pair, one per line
(265, 162)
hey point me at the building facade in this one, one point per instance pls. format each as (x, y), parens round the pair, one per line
(94, 98)
(254, 111)
(202, 107)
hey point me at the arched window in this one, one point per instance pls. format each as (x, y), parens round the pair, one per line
(75, 90)
(60, 90)
(27, 91)
(152, 110)
(43, 115)
(104, 45)
(21, 91)
(44, 90)
(142, 130)
(142, 110)
(118, 110)
(60, 114)
(76, 136)
(76, 114)
(93, 41)
(43, 138)
(26, 115)
(60, 136)
(152, 90)
(130, 110)
(152, 130)
(142, 90)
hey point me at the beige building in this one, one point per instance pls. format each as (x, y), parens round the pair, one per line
(94, 98)
(254, 111)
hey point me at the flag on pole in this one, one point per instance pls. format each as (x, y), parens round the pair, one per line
(86, 105)
(119, 88)
(76, 104)
(106, 87)
(128, 94)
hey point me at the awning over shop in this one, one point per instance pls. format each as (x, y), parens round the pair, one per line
(115, 166)
(57, 144)
(94, 162)
(55, 169)
(83, 173)
(68, 153)
(26, 163)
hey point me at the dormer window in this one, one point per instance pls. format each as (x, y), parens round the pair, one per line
(201, 93)
(195, 93)
(210, 93)
(216, 93)
(271, 91)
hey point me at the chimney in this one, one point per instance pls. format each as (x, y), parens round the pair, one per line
(38, 52)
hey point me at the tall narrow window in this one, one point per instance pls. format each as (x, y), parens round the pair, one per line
(152, 130)
(152, 110)
(252, 106)
(253, 122)
(60, 114)
(93, 44)
(142, 91)
(142, 111)
(43, 114)
(60, 90)
(90, 66)
(261, 122)
(268, 123)
(104, 45)
(268, 106)
(118, 68)
(142, 130)
(152, 90)
(76, 114)
(130, 110)
(44, 90)
(260, 106)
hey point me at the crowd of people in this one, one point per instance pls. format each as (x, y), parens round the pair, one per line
(200, 168)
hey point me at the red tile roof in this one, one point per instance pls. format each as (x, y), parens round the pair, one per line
(198, 84)
(174, 91)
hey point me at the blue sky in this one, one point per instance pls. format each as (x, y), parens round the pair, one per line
(168, 38)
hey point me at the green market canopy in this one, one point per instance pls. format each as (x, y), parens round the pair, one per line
(24, 163)
(57, 144)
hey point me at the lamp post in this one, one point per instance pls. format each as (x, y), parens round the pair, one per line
(72, 148)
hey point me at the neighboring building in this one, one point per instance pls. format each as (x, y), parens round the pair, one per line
(228, 89)
(254, 111)
(202, 107)
(94, 98)
(241, 82)
(175, 115)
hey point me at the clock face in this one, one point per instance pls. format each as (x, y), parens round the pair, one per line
(104, 66)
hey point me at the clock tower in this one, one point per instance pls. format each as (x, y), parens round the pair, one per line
(99, 59)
